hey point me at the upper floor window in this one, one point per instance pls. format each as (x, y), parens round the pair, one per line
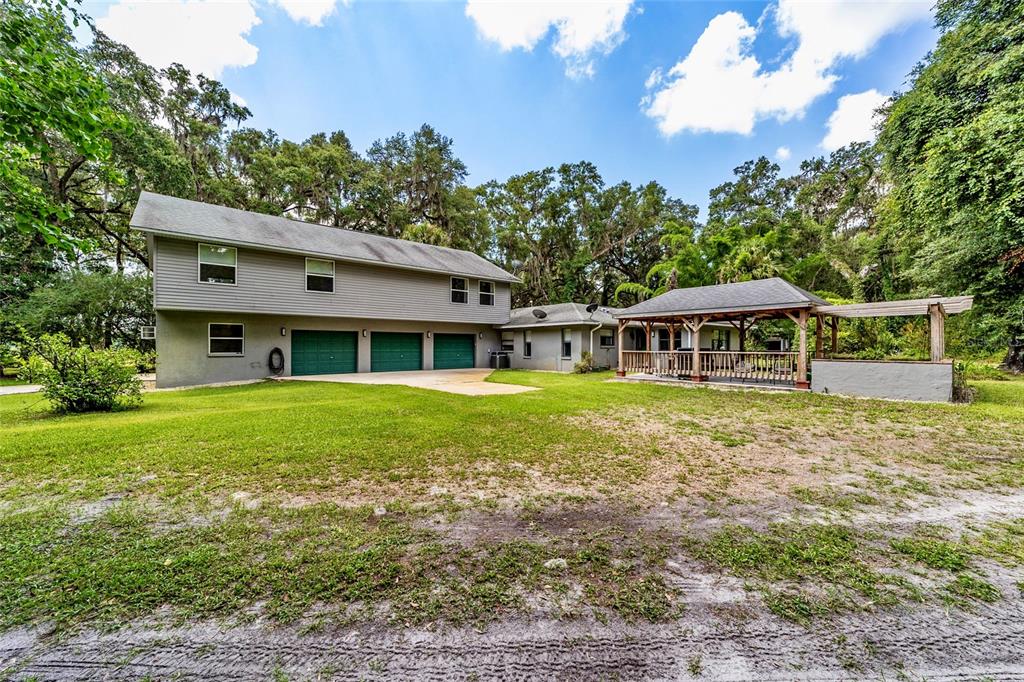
(460, 290)
(217, 264)
(319, 275)
(226, 339)
(486, 293)
(606, 338)
(508, 341)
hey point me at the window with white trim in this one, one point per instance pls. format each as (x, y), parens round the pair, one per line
(217, 264)
(508, 341)
(460, 290)
(527, 344)
(567, 343)
(606, 338)
(486, 293)
(320, 275)
(226, 338)
(720, 339)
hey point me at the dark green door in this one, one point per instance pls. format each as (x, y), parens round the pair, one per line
(393, 352)
(453, 351)
(316, 352)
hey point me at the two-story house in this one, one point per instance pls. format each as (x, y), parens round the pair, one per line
(236, 293)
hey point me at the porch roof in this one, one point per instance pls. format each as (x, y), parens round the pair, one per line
(739, 297)
(918, 306)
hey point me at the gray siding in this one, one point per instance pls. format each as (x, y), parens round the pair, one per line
(181, 343)
(269, 282)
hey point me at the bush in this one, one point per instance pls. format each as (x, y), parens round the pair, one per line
(586, 363)
(79, 379)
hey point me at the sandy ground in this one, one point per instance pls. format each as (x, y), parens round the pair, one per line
(718, 638)
(724, 633)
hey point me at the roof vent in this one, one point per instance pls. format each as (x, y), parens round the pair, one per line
(539, 314)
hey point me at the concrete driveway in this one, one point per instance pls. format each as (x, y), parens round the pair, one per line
(461, 381)
(14, 389)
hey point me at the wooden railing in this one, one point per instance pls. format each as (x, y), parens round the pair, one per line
(759, 366)
(773, 367)
(657, 362)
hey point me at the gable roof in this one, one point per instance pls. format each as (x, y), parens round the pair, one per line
(185, 219)
(560, 315)
(759, 294)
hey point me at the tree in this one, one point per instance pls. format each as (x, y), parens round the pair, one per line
(96, 309)
(53, 104)
(954, 151)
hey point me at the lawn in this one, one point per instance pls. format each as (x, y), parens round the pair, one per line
(323, 504)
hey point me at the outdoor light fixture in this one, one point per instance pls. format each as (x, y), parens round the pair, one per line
(430, 335)
(364, 333)
(284, 332)
(481, 335)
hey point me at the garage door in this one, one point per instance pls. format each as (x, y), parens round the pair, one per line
(316, 352)
(392, 352)
(453, 351)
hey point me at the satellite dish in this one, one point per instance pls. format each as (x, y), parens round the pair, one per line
(539, 314)
(591, 308)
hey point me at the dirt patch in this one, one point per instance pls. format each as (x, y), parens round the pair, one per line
(721, 643)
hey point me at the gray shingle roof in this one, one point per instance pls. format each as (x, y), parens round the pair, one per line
(760, 294)
(186, 219)
(560, 315)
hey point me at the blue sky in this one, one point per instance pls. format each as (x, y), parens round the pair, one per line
(523, 86)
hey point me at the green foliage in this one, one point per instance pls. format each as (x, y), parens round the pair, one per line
(954, 152)
(932, 552)
(52, 101)
(79, 379)
(96, 309)
(586, 363)
(15, 345)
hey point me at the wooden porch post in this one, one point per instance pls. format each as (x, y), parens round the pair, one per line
(743, 334)
(801, 360)
(648, 326)
(819, 351)
(937, 331)
(671, 336)
(620, 369)
(835, 335)
(695, 324)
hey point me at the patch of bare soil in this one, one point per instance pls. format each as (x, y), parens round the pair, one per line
(720, 637)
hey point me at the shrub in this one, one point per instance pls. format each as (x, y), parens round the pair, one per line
(586, 363)
(79, 379)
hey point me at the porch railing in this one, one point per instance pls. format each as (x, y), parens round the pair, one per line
(666, 362)
(757, 366)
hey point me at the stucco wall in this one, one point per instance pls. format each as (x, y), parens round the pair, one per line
(547, 349)
(181, 344)
(875, 379)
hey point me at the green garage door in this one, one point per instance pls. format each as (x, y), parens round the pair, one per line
(453, 351)
(315, 352)
(392, 352)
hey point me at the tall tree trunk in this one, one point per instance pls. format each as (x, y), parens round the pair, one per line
(1014, 360)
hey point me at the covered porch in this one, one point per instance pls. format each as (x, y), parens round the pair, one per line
(743, 305)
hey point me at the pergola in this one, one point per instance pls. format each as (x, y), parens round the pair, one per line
(743, 304)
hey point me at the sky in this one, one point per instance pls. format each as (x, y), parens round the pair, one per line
(677, 92)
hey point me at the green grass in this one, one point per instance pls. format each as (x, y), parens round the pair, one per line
(315, 459)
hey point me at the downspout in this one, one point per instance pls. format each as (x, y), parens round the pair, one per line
(592, 330)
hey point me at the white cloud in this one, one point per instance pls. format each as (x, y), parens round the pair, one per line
(721, 86)
(584, 29)
(854, 119)
(782, 154)
(312, 12)
(206, 36)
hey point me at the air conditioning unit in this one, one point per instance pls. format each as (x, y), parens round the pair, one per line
(147, 331)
